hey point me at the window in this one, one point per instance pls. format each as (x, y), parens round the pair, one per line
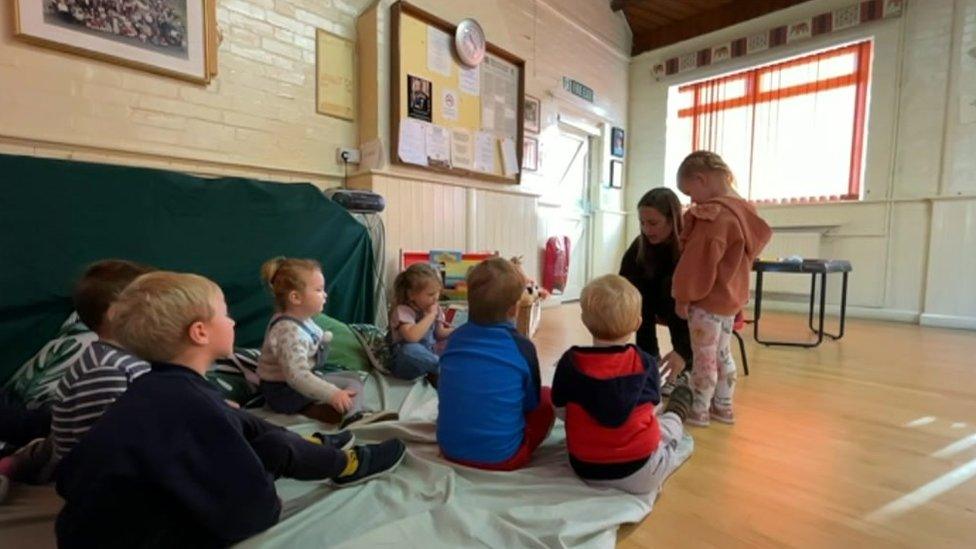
(792, 131)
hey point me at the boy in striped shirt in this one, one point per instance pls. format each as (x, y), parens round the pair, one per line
(90, 385)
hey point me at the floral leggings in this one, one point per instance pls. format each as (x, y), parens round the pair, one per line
(713, 372)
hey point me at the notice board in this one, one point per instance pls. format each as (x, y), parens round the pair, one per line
(446, 116)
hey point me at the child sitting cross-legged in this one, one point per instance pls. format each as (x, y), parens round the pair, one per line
(493, 411)
(607, 392)
(417, 323)
(295, 347)
(170, 464)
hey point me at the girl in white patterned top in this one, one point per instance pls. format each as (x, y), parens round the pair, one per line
(294, 347)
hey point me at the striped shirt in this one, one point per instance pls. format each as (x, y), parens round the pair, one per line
(88, 388)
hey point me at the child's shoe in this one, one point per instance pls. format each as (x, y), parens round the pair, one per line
(370, 461)
(683, 380)
(343, 440)
(680, 402)
(698, 419)
(366, 417)
(722, 415)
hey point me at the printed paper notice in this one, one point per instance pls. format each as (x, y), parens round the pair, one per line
(484, 152)
(471, 81)
(438, 146)
(509, 160)
(439, 51)
(499, 95)
(449, 104)
(412, 145)
(462, 150)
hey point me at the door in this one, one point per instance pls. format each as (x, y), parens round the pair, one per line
(568, 202)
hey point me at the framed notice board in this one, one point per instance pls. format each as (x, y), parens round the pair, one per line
(446, 116)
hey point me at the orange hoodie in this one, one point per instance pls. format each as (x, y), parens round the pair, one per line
(720, 240)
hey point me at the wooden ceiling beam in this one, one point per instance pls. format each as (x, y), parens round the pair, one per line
(706, 22)
(646, 19)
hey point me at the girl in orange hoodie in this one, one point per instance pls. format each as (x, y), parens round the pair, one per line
(723, 234)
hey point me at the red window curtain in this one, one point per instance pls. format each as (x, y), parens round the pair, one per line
(791, 131)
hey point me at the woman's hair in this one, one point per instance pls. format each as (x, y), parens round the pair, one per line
(411, 279)
(284, 275)
(667, 204)
(705, 162)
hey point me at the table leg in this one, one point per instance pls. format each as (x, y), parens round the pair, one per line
(758, 313)
(823, 307)
(843, 310)
(813, 293)
(757, 309)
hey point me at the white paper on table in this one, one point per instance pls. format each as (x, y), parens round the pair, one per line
(470, 81)
(412, 145)
(509, 160)
(484, 152)
(462, 149)
(449, 104)
(439, 51)
(438, 145)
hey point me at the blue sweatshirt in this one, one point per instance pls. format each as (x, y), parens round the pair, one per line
(489, 381)
(167, 465)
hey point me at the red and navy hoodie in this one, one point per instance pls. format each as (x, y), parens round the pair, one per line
(609, 394)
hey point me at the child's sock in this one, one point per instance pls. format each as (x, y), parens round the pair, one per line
(352, 463)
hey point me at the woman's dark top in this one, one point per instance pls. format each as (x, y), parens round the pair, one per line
(654, 284)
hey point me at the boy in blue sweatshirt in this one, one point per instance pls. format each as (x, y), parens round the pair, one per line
(170, 463)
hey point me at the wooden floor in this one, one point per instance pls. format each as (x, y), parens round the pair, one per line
(865, 442)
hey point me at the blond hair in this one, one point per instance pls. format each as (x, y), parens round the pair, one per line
(153, 314)
(413, 278)
(705, 162)
(611, 307)
(283, 275)
(494, 286)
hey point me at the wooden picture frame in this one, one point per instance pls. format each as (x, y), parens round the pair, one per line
(533, 114)
(617, 144)
(335, 75)
(530, 154)
(616, 174)
(398, 91)
(181, 43)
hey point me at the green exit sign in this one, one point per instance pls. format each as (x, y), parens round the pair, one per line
(578, 89)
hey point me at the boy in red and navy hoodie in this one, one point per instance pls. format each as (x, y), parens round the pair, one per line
(606, 394)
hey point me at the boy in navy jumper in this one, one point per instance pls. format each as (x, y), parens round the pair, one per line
(609, 392)
(170, 463)
(493, 411)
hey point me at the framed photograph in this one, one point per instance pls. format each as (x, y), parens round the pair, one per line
(616, 174)
(530, 154)
(335, 75)
(617, 142)
(419, 103)
(533, 114)
(171, 37)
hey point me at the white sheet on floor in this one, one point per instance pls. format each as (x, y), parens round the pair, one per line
(429, 502)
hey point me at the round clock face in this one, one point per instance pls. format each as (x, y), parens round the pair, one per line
(469, 41)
